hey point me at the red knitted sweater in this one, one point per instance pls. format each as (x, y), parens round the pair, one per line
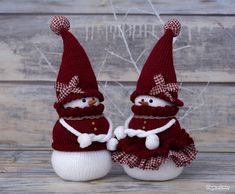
(63, 140)
(173, 138)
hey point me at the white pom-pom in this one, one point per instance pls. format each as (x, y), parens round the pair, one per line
(84, 140)
(152, 142)
(174, 25)
(112, 144)
(119, 132)
(58, 23)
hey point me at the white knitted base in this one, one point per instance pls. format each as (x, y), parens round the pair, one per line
(81, 166)
(166, 171)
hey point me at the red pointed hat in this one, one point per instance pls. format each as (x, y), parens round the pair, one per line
(158, 76)
(76, 78)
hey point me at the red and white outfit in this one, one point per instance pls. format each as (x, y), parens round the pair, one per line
(152, 145)
(80, 134)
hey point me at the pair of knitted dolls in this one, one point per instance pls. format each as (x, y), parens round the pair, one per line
(151, 145)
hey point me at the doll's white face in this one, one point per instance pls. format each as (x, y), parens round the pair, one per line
(83, 102)
(145, 100)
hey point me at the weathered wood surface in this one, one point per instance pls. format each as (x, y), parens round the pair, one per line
(27, 115)
(30, 51)
(122, 6)
(29, 59)
(31, 172)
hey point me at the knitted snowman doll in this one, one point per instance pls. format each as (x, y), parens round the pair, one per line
(152, 145)
(81, 132)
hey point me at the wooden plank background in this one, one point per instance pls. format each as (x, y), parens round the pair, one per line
(27, 41)
(29, 116)
(38, 176)
(30, 57)
(216, 7)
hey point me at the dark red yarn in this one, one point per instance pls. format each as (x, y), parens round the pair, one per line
(155, 111)
(63, 140)
(132, 150)
(75, 62)
(173, 138)
(80, 112)
(159, 61)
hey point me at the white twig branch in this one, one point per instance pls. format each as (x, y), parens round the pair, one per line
(124, 38)
(43, 56)
(187, 89)
(226, 31)
(54, 53)
(118, 56)
(110, 100)
(122, 86)
(105, 85)
(158, 16)
(206, 127)
(152, 34)
(111, 113)
(155, 12)
(137, 9)
(141, 54)
(101, 66)
(180, 48)
(199, 97)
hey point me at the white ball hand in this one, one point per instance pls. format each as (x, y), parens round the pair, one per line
(119, 132)
(112, 144)
(84, 140)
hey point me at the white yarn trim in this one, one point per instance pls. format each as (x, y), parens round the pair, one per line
(152, 140)
(128, 121)
(141, 133)
(92, 137)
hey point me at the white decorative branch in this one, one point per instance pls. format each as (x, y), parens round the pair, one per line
(156, 12)
(124, 38)
(43, 56)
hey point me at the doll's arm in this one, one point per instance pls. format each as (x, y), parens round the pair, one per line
(182, 140)
(118, 134)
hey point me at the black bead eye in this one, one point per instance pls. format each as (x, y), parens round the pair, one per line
(142, 100)
(93, 98)
(150, 100)
(83, 100)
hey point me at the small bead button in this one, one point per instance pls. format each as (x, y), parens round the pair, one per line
(93, 123)
(95, 129)
(143, 127)
(145, 122)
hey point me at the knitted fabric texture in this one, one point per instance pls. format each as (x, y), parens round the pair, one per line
(175, 143)
(74, 64)
(181, 158)
(63, 140)
(76, 80)
(158, 79)
(160, 63)
(173, 138)
(81, 166)
(64, 90)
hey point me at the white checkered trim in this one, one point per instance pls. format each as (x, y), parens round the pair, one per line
(58, 23)
(66, 89)
(161, 87)
(173, 25)
(181, 158)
